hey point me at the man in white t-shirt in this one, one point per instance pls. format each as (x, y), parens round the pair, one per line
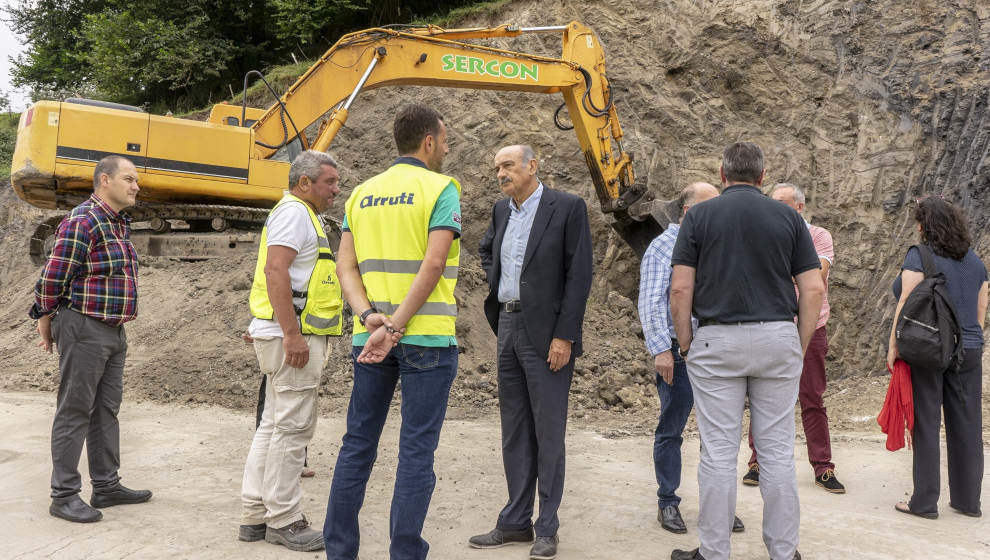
(286, 304)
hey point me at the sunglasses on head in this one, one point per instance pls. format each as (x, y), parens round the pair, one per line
(920, 199)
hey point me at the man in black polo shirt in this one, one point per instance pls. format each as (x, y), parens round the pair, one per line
(735, 262)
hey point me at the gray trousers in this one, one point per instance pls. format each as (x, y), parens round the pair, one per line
(91, 365)
(727, 363)
(533, 405)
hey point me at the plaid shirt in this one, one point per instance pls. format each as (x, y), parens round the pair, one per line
(93, 266)
(654, 291)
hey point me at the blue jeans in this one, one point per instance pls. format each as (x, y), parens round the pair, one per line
(426, 374)
(676, 402)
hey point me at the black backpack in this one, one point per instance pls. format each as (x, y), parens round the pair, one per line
(928, 334)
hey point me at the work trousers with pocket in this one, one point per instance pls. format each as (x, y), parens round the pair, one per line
(270, 491)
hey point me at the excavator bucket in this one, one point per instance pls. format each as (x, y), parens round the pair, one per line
(644, 221)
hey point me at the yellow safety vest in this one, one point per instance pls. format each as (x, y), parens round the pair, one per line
(389, 217)
(321, 314)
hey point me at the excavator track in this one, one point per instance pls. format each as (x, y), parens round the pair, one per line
(207, 231)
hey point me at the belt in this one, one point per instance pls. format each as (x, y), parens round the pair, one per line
(514, 306)
(712, 323)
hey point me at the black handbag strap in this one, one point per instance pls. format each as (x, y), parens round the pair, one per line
(927, 260)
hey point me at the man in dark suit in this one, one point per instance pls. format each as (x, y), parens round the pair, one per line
(537, 254)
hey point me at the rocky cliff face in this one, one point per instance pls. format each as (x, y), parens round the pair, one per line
(867, 105)
(864, 104)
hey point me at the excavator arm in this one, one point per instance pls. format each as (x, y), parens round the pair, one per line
(432, 56)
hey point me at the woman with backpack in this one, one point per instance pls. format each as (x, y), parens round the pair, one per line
(957, 388)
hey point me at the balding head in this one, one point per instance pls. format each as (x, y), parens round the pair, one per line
(696, 193)
(515, 170)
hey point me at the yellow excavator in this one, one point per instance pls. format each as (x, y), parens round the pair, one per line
(229, 170)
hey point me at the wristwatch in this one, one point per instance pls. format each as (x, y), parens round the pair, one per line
(683, 352)
(364, 315)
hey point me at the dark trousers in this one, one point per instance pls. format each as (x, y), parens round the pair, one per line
(260, 408)
(676, 401)
(963, 436)
(91, 365)
(424, 375)
(533, 406)
(813, 415)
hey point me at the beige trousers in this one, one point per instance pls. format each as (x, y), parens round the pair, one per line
(270, 491)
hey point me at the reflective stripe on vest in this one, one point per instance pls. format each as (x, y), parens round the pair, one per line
(389, 218)
(400, 267)
(322, 310)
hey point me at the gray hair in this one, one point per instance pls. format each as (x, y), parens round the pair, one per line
(309, 163)
(527, 153)
(742, 162)
(798, 192)
(107, 166)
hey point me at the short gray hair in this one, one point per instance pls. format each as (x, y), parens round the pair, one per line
(309, 163)
(798, 192)
(527, 153)
(107, 166)
(742, 162)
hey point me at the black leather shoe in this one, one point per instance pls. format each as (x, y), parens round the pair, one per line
(73, 508)
(545, 548)
(752, 477)
(497, 537)
(687, 555)
(117, 495)
(737, 524)
(671, 520)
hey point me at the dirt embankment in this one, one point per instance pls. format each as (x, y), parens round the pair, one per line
(865, 104)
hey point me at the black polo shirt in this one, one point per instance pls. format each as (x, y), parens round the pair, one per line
(745, 248)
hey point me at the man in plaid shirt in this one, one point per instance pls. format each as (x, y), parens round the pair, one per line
(673, 386)
(87, 291)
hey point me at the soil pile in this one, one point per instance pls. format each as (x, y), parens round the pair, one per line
(865, 104)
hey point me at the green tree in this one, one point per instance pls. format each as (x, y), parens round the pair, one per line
(180, 54)
(310, 21)
(137, 57)
(49, 67)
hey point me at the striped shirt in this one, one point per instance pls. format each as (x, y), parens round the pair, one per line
(654, 292)
(823, 246)
(93, 267)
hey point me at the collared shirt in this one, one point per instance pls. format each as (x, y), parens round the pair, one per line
(822, 240)
(654, 292)
(745, 249)
(93, 267)
(514, 244)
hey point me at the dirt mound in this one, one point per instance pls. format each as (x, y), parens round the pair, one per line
(866, 104)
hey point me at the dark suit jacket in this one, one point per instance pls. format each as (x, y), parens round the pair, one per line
(556, 271)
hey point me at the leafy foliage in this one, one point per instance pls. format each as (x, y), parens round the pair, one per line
(8, 138)
(135, 57)
(179, 54)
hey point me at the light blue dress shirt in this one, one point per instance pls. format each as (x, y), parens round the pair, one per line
(514, 244)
